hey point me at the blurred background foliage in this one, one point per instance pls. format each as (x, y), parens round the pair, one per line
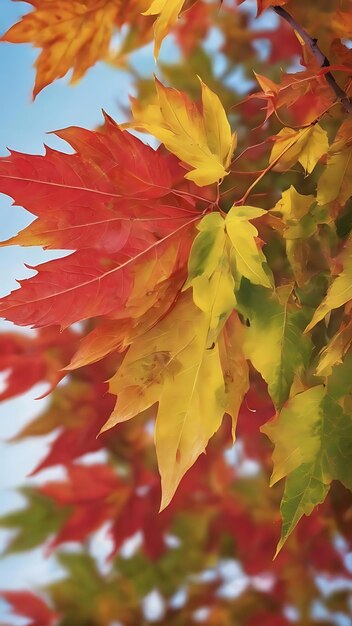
(206, 559)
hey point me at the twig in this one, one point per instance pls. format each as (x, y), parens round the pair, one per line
(319, 55)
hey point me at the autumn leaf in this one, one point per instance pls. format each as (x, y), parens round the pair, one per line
(234, 366)
(274, 340)
(339, 292)
(209, 273)
(300, 220)
(304, 96)
(153, 370)
(335, 182)
(86, 498)
(193, 307)
(199, 138)
(307, 146)
(71, 33)
(247, 253)
(91, 202)
(31, 606)
(294, 208)
(182, 353)
(171, 357)
(167, 12)
(33, 525)
(28, 361)
(312, 437)
(335, 350)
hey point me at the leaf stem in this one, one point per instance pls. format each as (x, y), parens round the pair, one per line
(319, 55)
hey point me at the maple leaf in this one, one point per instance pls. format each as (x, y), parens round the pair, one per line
(34, 524)
(168, 12)
(300, 217)
(27, 361)
(335, 182)
(234, 366)
(295, 211)
(144, 312)
(172, 356)
(339, 292)
(335, 350)
(82, 202)
(91, 495)
(248, 256)
(71, 33)
(175, 355)
(31, 606)
(86, 595)
(307, 146)
(201, 139)
(274, 341)
(305, 96)
(312, 451)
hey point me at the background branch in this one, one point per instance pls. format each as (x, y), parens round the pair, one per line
(319, 55)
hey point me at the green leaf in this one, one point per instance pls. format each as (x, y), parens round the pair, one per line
(313, 441)
(248, 255)
(34, 523)
(274, 341)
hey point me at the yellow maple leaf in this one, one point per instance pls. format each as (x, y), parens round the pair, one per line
(201, 139)
(306, 145)
(234, 366)
(72, 34)
(168, 12)
(335, 182)
(191, 363)
(191, 408)
(171, 364)
(249, 257)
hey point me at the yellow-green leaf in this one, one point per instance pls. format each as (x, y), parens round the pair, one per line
(242, 234)
(340, 291)
(210, 275)
(173, 365)
(274, 340)
(294, 208)
(235, 367)
(335, 184)
(313, 441)
(191, 408)
(335, 350)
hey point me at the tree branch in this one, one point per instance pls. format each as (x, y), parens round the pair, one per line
(319, 55)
